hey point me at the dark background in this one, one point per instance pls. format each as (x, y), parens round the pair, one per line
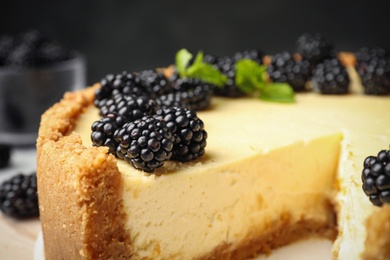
(135, 35)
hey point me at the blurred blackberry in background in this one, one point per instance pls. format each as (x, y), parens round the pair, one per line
(7, 42)
(227, 66)
(314, 48)
(23, 55)
(31, 49)
(366, 54)
(252, 54)
(373, 66)
(284, 68)
(50, 52)
(18, 196)
(330, 77)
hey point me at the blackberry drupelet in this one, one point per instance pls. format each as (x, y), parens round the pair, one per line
(18, 196)
(228, 67)
(284, 68)
(103, 131)
(130, 107)
(252, 54)
(188, 132)
(330, 77)
(155, 82)
(190, 93)
(373, 67)
(5, 155)
(315, 48)
(145, 143)
(376, 178)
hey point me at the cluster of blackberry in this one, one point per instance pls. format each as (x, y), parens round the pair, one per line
(30, 49)
(148, 119)
(373, 66)
(316, 61)
(18, 196)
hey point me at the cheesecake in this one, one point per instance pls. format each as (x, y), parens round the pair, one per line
(272, 174)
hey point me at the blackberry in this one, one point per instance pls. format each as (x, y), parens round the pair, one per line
(5, 155)
(33, 49)
(376, 178)
(32, 38)
(373, 66)
(188, 132)
(130, 107)
(284, 68)
(22, 55)
(7, 42)
(252, 54)
(18, 196)
(155, 82)
(123, 83)
(51, 52)
(190, 93)
(103, 131)
(145, 143)
(228, 67)
(366, 54)
(315, 48)
(330, 77)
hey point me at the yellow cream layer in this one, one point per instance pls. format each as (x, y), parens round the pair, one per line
(263, 161)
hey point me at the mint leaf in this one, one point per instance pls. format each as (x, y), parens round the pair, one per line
(277, 92)
(205, 72)
(250, 76)
(182, 58)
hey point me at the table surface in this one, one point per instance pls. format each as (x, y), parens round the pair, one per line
(18, 237)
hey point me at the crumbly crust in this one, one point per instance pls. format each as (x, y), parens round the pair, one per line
(377, 245)
(80, 189)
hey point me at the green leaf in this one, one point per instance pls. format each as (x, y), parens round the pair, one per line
(250, 76)
(277, 92)
(206, 72)
(182, 58)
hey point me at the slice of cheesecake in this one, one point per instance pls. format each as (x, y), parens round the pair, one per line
(272, 174)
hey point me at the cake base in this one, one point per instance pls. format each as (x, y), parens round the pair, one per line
(302, 250)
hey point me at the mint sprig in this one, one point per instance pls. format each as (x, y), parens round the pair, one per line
(251, 78)
(198, 69)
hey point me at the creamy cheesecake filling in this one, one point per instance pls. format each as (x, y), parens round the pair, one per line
(238, 190)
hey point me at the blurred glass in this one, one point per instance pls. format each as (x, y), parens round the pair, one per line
(25, 93)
